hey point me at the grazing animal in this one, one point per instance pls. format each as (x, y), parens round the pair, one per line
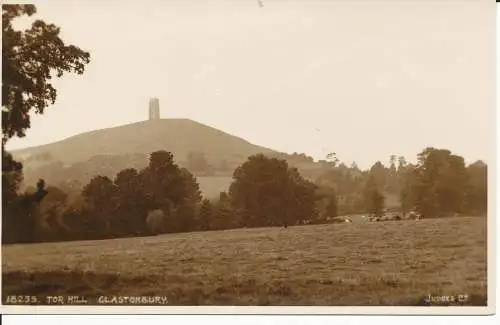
(341, 220)
(392, 218)
(413, 215)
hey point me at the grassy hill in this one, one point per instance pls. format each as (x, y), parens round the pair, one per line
(362, 264)
(179, 136)
(107, 151)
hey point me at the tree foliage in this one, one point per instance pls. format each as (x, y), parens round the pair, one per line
(224, 215)
(267, 192)
(326, 203)
(373, 197)
(122, 206)
(438, 184)
(30, 59)
(477, 189)
(132, 204)
(206, 215)
(100, 196)
(20, 216)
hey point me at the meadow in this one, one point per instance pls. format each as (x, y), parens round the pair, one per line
(211, 186)
(357, 264)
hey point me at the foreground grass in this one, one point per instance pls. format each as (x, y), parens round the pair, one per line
(359, 264)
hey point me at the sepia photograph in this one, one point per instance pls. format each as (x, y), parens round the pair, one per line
(257, 156)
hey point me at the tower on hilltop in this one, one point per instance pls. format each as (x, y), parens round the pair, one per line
(154, 109)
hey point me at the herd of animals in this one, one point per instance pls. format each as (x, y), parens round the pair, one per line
(394, 217)
(155, 220)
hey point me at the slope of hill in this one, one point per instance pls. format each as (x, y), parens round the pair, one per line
(179, 136)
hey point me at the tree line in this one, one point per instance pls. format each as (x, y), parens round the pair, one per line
(438, 184)
(265, 192)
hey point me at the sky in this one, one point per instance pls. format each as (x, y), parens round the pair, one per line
(363, 79)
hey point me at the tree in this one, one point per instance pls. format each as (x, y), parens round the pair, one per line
(341, 178)
(171, 189)
(406, 183)
(100, 195)
(354, 167)
(440, 182)
(12, 176)
(20, 221)
(300, 198)
(29, 59)
(374, 199)
(327, 203)
(267, 192)
(79, 221)
(132, 205)
(401, 162)
(186, 210)
(477, 188)
(379, 172)
(163, 183)
(51, 211)
(332, 159)
(332, 207)
(392, 163)
(392, 176)
(377, 203)
(453, 186)
(224, 216)
(206, 215)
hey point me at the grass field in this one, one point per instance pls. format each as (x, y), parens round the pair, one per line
(358, 264)
(212, 186)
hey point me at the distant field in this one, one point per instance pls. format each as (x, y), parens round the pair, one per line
(372, 263)
(212, 186)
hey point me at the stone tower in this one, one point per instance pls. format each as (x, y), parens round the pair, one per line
(154, 109)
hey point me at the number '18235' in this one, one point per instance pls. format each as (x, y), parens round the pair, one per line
(21, 300)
